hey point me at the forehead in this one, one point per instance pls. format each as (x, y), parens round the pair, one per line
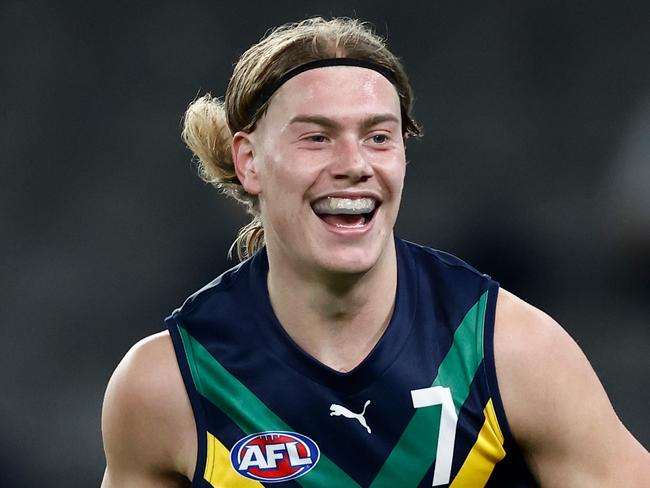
(336, 91)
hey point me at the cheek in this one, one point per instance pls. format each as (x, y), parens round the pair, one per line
(295, 176)
(400, 173)
(393, 175)
(283, 192)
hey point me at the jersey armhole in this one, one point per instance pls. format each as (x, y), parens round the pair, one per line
(490, 367)
(173, 325)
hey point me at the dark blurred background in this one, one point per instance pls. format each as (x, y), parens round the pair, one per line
(535, 168)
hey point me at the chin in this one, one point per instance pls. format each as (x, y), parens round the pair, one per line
(350, 260)
(347, 267)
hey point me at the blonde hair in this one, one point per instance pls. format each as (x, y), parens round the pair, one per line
(209, 122)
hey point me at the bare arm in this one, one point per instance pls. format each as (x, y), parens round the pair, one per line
(147, 422)
(557, 409)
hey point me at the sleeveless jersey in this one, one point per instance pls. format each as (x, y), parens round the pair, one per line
(421, 410)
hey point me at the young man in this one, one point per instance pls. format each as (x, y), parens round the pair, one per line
(338, 355)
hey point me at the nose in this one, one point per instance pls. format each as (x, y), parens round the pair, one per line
(351, 163)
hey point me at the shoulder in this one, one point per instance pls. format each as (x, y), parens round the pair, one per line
(438, 256)
(536, 359)
(442, 267)
(527, 342)
(147, 421)
(556, 406)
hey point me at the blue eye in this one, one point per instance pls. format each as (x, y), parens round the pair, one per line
(380, 138)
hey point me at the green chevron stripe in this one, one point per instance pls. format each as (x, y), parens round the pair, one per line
(415, 452)
(250, 414)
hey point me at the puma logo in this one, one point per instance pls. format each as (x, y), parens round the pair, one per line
(341, 410)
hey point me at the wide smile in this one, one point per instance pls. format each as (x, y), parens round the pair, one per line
(346, 212)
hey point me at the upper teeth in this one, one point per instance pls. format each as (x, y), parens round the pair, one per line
(334, 205)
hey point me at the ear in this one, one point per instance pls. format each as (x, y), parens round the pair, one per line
(243, 156)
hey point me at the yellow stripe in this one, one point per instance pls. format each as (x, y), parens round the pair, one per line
(209, 460)
(218, 470)
(484, 455)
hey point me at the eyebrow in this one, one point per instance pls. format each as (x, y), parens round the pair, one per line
(333, 124)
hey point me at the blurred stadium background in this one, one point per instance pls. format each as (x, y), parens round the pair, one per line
(535, 168)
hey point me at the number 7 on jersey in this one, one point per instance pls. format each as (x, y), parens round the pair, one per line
(440, 395)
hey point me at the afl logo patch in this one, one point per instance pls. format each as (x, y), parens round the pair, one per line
(274, 456)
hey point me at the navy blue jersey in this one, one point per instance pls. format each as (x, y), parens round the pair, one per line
(422, 409)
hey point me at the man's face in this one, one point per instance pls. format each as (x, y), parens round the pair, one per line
(329, 164)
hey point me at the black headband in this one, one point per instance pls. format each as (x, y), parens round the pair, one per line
(268, 90)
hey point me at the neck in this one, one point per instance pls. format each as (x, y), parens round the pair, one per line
(336, 318)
